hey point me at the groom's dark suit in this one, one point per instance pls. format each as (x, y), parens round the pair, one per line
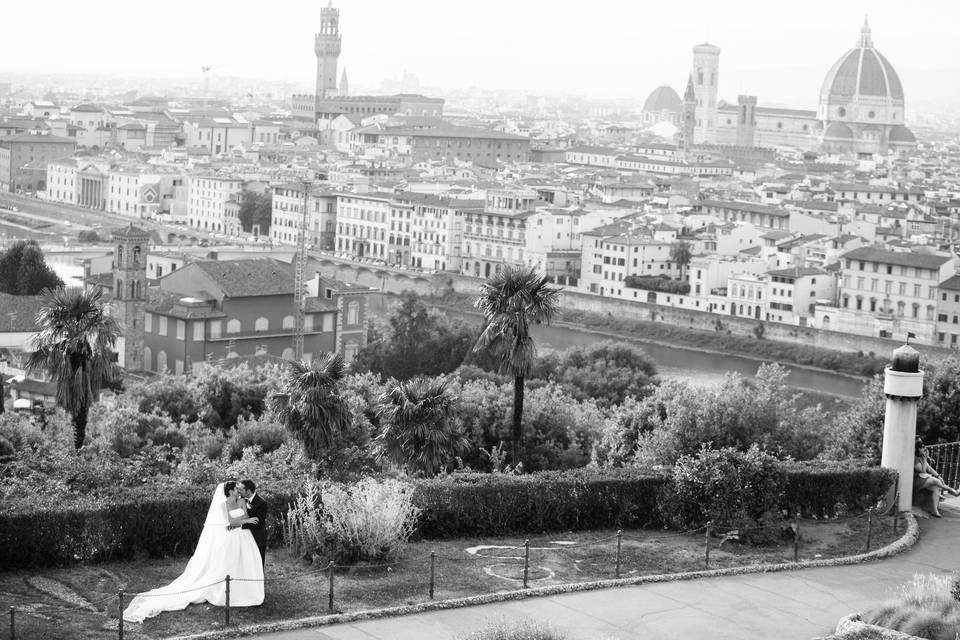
(259, 509)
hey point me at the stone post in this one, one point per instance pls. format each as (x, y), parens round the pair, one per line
(903, 387)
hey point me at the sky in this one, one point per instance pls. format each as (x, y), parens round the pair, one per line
(779, 51)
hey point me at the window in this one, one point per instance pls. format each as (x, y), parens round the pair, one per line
(353, 313)
(215, 326)
(181, 330)
(233, 326)
(261, 324)
(148, 322)
(288, 322)
(198, 331)
(162, 328)
(327, 322)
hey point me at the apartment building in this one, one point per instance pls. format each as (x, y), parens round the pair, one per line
(890, 294)
(948, 314)
(436, 229)
(363, 224)
(207, 197)
(137, 193)
(496, 236)
(288, 203)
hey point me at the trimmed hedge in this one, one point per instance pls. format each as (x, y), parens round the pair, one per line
(136, 522)
(815, 489)
(503, 504)
(168, 522)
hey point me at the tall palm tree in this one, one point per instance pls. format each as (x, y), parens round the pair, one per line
(682, 254)
(310, 405)
(513, 300)
(75, 348)
(418, 431)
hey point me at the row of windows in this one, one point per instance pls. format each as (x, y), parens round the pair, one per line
(907, 272)
(234, 326)
(902, 287)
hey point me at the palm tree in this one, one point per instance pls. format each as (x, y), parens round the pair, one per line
(511, 301)
(310, 405)
(418, 432)
(75, 348)
(681, 253)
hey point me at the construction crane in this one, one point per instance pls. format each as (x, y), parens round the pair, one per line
(299, 274)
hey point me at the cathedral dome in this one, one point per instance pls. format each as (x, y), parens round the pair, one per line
(901, 134)
(663, 99)
(838, 131)
(862, 72)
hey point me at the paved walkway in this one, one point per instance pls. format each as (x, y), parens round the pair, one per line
(792, 604)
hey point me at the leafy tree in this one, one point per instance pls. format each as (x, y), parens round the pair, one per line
(681, 253)
(858, 431)
(256, 209)
(608, 372)
(678, 417)
(938, 414)
(88, 235)
(511, 301)
(74, 346)
(417, 341)
(419, 433)
(310, 406)
(24, 272)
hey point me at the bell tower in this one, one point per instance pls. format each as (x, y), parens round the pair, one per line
(706, 77)
(688, 118)
(327, 47)
(130, 246)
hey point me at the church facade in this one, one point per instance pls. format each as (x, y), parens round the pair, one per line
(860, 109)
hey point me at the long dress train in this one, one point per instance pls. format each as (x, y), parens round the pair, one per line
(219, 553)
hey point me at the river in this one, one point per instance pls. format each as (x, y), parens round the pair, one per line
(699, 367)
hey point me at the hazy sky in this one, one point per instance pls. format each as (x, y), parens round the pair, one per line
(604, 48)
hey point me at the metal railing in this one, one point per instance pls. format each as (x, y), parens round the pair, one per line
(945, 458)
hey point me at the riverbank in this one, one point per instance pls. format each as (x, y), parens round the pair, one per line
(815, 359)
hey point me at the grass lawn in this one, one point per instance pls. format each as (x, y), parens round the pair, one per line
(79, 602)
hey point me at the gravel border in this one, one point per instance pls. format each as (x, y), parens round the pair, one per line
(909, 538)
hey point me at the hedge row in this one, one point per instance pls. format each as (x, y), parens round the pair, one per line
(136, 522)
(496, 505)
(143, 521)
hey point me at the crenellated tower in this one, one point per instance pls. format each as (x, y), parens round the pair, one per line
(327, 47)
(130, 245)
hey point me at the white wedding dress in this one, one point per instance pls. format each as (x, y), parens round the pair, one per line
(220, 552)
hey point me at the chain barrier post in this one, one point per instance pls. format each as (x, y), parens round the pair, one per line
(13, 633)
(120, 614)
(869, 526)
(433, 563)
(330, 598)
(526, 561)
(796, 538)
(619, 543)
(896, 511)
(706, 545)
(227, 601)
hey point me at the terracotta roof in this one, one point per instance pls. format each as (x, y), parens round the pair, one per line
(798, 272)
(130, 231)
(242, 278)
(901, 258)
(951, 284)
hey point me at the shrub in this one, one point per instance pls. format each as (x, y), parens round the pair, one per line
(303, 531)
(504, 504)
(367, 521)
(817, 489)
(515, 630)
(658, 283)
(91, 529)
(264, 433)
(922, 608)
(724, 486)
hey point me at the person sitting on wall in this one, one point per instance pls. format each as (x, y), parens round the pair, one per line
(926, 477)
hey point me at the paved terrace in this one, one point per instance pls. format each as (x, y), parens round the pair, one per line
(800, 604)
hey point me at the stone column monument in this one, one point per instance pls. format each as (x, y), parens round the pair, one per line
(903, 387)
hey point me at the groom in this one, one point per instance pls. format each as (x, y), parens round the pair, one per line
(257, 508)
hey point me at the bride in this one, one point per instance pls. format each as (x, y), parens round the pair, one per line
(220, 552)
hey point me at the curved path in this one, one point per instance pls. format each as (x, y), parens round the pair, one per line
(798, 604)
